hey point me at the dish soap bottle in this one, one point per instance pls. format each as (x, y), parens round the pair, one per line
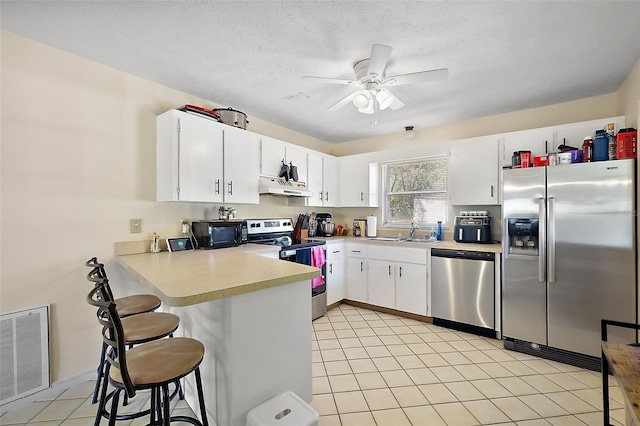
(439, 231)
(155, 243)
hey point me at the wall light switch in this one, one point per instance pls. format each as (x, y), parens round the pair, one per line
(135, 226)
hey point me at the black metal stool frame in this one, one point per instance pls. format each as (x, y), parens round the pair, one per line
(113, 335)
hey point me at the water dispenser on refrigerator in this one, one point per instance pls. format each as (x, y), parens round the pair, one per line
(523, 237)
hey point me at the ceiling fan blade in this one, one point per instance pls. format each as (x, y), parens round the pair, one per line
(378, 60)
(417, 77)
(331, 80)
(396, 104)
(342, 102)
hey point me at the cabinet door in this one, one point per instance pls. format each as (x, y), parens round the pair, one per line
(272, 153)
(241, 166)
(315, 180)
(354, 178)
(472, 173)
(411, 288)
(297, 156)
(189, 158)
(330, 181)
(336, 290)
(381, 284)
(536, 141)
(357, 279)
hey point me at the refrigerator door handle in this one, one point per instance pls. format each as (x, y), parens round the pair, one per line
(542, 243)
(552, 240)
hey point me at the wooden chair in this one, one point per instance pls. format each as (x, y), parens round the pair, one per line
(152, 365)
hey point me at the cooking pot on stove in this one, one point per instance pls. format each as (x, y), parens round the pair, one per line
(233, 117)
(284, 241)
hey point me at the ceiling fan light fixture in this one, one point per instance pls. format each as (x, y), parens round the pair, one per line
(409, 133)
(362, 99)
(385, 99)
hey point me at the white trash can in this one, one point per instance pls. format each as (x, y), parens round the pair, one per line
(286, 409)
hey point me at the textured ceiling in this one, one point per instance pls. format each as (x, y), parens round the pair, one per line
(502, 56)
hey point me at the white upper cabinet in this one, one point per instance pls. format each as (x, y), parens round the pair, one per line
(358, 182)
(323, 180)
(201, 160)
(241, 166)
(274, 151)
(472, 172)
(330, 181)
(189, 164)
(297, 156)
(539, 142)
(272, 154)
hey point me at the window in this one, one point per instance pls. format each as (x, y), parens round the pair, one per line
(415, 191)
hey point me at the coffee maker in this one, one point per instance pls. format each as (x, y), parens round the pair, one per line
(324, 230)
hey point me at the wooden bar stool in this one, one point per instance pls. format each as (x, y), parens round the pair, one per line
(153, 365)
(139, 324)
(128, 305)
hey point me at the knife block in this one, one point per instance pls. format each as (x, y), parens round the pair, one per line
(304, 233)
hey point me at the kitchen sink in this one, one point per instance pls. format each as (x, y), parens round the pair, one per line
(405, 240)
(420, 240)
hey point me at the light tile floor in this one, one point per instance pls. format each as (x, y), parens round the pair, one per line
(371, 368)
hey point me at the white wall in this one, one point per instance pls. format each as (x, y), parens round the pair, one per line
(78, 161)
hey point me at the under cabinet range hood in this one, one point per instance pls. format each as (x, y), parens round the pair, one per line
(281, 186)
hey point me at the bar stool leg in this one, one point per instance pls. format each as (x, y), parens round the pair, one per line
(203, 410)
(101, 367)
(114, 408)
(166, 415)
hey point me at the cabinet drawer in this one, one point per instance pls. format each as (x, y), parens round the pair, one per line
(398, 254)
(356, 250)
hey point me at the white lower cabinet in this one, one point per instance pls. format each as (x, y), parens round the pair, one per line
(411, 288)
(336, 287)
(356, 272)
(381, 283)
(388, 276)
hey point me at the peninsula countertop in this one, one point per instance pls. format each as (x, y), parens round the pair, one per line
(196, 276)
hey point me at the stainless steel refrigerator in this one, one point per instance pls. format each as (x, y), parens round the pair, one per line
(569, 257)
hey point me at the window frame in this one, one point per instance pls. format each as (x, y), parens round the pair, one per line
(385, 192)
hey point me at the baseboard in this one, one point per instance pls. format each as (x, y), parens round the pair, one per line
(56, 389)
(390, 311)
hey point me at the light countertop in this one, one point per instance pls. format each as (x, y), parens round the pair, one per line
(196, 276)
(451, 245)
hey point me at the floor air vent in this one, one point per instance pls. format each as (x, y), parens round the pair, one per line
(24, 353)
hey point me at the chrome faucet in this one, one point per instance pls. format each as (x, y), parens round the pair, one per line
(412, 230)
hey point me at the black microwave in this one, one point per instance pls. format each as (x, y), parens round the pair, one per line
(213, 234)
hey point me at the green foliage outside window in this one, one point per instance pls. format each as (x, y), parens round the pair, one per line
(415, 191)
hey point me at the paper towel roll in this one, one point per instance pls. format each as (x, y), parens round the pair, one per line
(372, 226)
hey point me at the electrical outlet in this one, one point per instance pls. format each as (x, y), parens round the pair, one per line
(135, 226)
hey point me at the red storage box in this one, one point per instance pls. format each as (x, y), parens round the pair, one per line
(540, 160)
(626, 142)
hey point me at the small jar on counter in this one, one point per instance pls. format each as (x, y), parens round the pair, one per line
(553, 158)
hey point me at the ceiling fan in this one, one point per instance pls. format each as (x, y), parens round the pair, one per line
(373, 82)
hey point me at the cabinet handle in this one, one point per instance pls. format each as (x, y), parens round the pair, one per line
(400, 271)
(320, 195)
(335, 251)
(389, 270)
(218, 186)
(361, 196)
(230, 184)
(491, 191)
(331, 268)
(361, 266)
(326, 196)
(355, 251)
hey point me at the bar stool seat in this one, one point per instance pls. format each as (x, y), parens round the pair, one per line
(149, 326)
(160, 361)
(137, 304)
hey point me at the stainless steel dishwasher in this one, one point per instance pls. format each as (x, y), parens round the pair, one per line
(462, 289)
